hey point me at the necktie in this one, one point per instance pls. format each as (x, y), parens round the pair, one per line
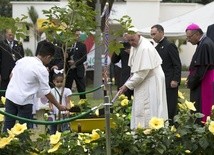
(11, 44)
(11, 47)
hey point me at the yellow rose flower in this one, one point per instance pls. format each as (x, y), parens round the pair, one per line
(82, 101)
(19, 128)
(54, 139)
(71, 103)
(147, 131)
(182, 106)
(132, 97)
(33, 153)
(178, 135)
(122, 97)
(1, 118)
(139, 126)
(95, 135)
(87, 141)
(4, 141)
(123, 115)
(11, 134)
(128, 133)
(78, 142)
(3, 100)
(190, 105)
(55, 148)
(46, 116)
(173, 129)
(156, 123)
(211, 127)
(117, 114)
(84, 137)
(97, 112)
(187, 151)
(124, 102)
(180, 95)
(80, 136)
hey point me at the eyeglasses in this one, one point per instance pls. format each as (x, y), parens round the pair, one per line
(189, 37)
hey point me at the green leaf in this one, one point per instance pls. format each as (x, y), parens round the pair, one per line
(203, 143)
(199, 115)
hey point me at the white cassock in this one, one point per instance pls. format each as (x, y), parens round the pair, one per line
(148, 82)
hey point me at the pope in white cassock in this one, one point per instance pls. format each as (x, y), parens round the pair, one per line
(147, 81)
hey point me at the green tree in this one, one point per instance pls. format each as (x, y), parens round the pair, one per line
(5, 8)
(34, 16)
(17, 25)
(63, 22)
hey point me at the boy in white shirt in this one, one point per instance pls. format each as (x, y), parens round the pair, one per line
(29, 77)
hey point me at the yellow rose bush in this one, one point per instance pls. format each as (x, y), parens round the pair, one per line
(16, 141)
(186, 136)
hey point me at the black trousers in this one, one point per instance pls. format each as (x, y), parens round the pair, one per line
(172, 101)
(80, 82)
(17, 110)
(3, 86)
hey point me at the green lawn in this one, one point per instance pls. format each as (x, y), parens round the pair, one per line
(184, 89)
(90, 96)
(95, 102)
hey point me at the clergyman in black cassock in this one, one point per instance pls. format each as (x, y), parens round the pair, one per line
(201, 78)
(171, 66)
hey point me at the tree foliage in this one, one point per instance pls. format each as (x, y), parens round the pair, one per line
(17, 25)
(5, 8)
(65, 21)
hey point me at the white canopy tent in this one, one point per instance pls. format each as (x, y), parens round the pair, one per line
(175, 27)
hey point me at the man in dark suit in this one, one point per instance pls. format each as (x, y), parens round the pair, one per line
(171, 66)
(123, 56)
(77, 55)
(210, 32)
(10, 51)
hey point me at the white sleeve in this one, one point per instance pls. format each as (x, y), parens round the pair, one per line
(68, 92)
(43, 77)
(136, 79)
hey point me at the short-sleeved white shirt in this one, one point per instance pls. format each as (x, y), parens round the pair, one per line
(29, 80)
(56, 91)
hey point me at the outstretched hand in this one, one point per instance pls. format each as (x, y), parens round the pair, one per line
(123, 89)
(63, 108)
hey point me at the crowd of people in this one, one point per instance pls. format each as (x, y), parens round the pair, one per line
(150, 73)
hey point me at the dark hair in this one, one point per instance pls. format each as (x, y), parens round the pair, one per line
(46, 48)
(158, 27)
(57, 75)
